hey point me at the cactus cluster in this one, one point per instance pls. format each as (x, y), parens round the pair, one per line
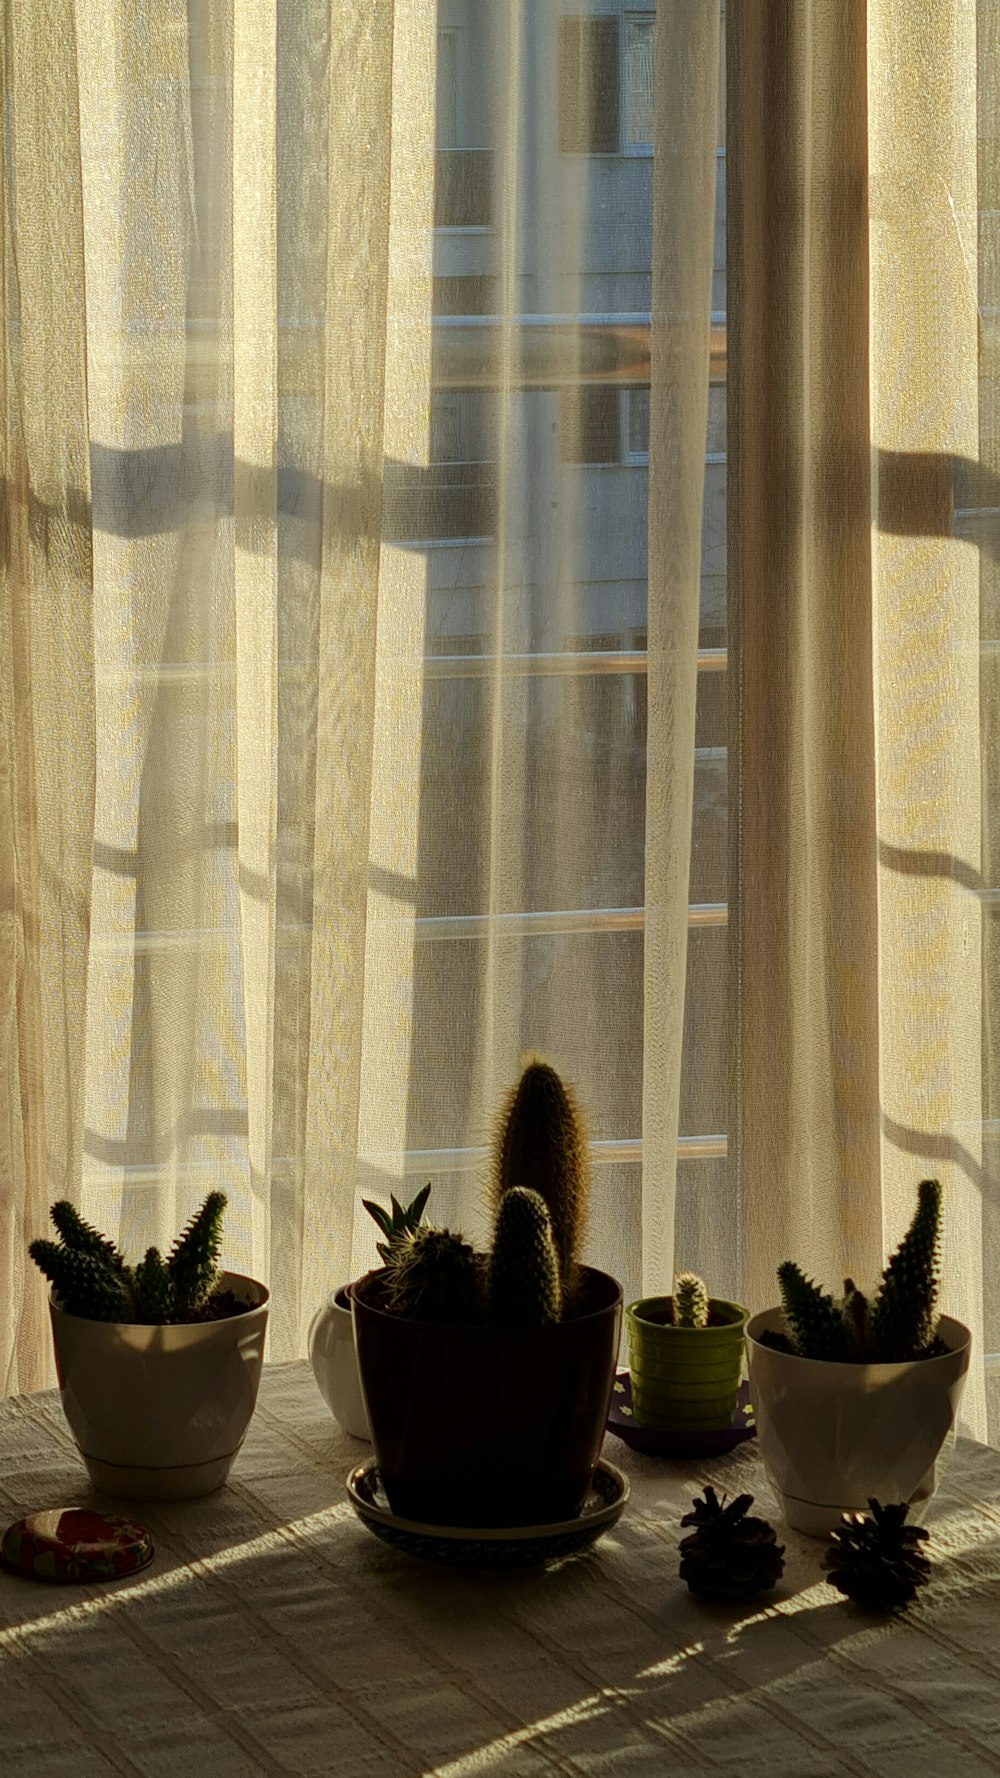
(90, 1276)
(899, 1325)
(540, 1145)
(690, 1300)
(538, 1193)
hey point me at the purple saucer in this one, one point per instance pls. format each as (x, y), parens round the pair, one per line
(679, 1445)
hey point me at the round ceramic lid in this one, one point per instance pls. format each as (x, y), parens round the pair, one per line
(75, 1543)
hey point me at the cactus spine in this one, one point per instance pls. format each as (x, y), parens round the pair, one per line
(815, 1324)
(434, 1275)
(91, 1279)
(540, 1145)
(690, 1300)
(900, 1325)
(524, 1288)
(903, 1322)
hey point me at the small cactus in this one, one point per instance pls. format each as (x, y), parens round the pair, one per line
(815, 1324)
(434, 1275)
(540, 1144)
(91, 1279)
(901, 1323)
(401, 1223)
(524, 1288)
(690, 1301)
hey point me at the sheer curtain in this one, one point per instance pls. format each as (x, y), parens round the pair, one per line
(364, 704)
(863, 527)
(327, 342)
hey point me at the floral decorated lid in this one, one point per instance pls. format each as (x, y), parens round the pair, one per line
(75, 1543)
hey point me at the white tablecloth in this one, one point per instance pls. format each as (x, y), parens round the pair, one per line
(273, 1634)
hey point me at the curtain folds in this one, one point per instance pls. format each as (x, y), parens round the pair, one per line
(366, 716)
(856, 279)
(325, 483)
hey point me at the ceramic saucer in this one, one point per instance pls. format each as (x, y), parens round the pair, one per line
(679, 1445)
(518, 1546)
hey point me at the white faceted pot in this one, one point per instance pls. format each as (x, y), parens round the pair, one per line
(159, 1412)
(335, 1365)
(833, 1436)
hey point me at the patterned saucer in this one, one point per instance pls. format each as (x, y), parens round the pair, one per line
(517, 1546)
(679, 1445)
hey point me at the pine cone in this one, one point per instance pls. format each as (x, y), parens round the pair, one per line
(877, 1561)
(729, 1556)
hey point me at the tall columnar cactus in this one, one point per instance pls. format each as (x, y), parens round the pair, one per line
(903, 1319)
(91, 1278)
(901, 1323)
(434, 1275)
(690, 1300)
(540, 1144)
(523, 1282)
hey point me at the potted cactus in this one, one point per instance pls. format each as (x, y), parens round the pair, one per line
(855, 1397)
(331, 1332)
(685, 1358)
(487, 1375)
(158, 1363)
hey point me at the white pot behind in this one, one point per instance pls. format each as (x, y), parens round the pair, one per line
(159, 1413)
(335, 1365)
(833, 1436)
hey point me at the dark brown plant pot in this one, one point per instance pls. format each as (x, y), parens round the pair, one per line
(488, 1425)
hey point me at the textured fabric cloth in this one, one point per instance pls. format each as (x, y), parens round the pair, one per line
(274, 1635)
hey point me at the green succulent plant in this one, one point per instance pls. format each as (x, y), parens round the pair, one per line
(899, 1325)
(434, 1275)
(91, 1278)
(540, 1144)
(402, 1221)
(690, 1300)
(523, 1282)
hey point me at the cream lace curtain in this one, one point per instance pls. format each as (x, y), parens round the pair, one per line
(309, 829)
(863, 513)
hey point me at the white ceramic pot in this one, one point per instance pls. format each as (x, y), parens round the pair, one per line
(833, 1436)
(159, 1413)
(335, 1367)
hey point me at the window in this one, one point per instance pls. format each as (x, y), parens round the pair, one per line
(463, 188)
(455, 494)
(606, 84)
(588, 74)
(600, 423)
(638, 83)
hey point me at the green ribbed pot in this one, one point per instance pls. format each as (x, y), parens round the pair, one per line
(684, 1379)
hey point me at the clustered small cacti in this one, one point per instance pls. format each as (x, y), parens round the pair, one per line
(539, 1186)
(899, 1325)
(690, 1300)
(91, 1278)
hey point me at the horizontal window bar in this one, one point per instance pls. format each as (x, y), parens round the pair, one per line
(566, 664)
(579, 663)
(544, 923)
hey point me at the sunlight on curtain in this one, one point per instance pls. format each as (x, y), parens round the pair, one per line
(863, 273)
(362, 315)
